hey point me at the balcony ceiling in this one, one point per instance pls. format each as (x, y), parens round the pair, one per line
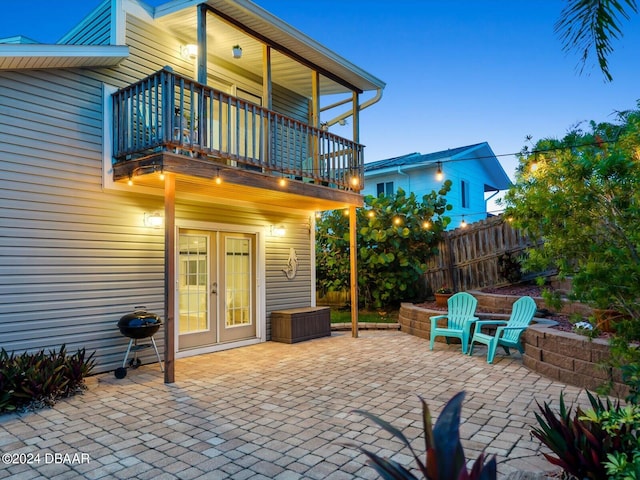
(260, 26)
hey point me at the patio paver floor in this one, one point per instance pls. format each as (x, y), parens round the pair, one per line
(280, 411)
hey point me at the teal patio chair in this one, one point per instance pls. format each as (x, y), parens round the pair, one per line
(461, 310)
(508, 335)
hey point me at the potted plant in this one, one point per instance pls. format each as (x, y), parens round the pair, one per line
(442, 295)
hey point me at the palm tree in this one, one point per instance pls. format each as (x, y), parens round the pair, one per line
(587, 25)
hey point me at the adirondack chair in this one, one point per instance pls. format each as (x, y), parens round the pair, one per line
(461, 309)
(508, 335)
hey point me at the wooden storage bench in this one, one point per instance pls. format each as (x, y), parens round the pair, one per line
(299, 324)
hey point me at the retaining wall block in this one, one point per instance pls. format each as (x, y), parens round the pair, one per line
(557, 359)
(532, 352)
(587, 368)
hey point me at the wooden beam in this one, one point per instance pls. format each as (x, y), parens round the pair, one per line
(281, 48)
(204, 171)
(169, 277)
(202, 44)
(353, 255)
(267, 101)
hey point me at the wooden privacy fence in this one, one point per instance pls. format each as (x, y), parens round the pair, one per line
(469, 257)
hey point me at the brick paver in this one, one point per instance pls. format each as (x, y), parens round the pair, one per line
(284, 411)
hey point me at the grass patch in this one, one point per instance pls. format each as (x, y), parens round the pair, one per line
(364, 316)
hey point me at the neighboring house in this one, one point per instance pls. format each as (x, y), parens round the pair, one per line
(126, 182)
(475, 173)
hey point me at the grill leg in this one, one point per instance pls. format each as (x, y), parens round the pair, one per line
(126, 355)
(155, 347)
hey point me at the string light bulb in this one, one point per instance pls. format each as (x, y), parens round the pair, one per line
(439, 174)
(463, 223)
(426, 224)
(130, 181)
(218, 177)
(162, 174)
(371, 214)
(397, 220)
(282, 182)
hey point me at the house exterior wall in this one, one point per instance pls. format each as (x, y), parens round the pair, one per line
(95, 31)
(421, 181)
(74, 257)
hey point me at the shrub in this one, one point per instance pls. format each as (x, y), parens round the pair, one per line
(32, 380)
(602, 442)
(445, 457)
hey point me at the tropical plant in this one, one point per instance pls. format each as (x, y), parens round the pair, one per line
(578, 445)
(396, 235)
(38, 379)
(445, 459)
(601, 442)
(589, 26)
(583, 202)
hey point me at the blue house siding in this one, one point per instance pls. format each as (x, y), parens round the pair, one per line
(476, 166)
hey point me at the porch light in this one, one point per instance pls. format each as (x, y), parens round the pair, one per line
(153, 220)
(278, 231)
(236, 51)
(439, 174)
(189, 51)
(355, 181)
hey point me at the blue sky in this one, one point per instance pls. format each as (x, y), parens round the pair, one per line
(458, 72)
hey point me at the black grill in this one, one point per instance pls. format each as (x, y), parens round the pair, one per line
(138, 325)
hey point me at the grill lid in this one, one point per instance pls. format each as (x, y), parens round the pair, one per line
(139, 323)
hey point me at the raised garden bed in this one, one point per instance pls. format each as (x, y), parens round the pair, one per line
(550, 350)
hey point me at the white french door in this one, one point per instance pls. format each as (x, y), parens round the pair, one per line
(216, 288)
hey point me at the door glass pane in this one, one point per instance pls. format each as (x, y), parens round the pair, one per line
(238, 282)
(193, 283)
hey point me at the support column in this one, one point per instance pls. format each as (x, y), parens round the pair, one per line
(202, 43)
(315, 122)
(169, 277)
(267, 102)
(353, 256)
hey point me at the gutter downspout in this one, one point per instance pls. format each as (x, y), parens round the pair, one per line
(399, 171)
(376, 98)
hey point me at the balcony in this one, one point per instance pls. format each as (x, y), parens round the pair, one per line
(168, 123)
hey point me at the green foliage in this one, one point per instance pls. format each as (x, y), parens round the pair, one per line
(579, 445)
(583, 203)
(509, 267)
(601, 442)
(396, 235)
(445, 457)
(37, 379)
(589, 26)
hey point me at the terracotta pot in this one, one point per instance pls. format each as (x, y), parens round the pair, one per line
(441, 299)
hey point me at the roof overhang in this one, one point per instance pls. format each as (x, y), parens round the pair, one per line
(245, 23)
(39, 56)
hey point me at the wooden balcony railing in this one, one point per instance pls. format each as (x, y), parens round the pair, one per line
(169, 112)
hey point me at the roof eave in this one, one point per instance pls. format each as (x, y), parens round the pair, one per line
(41, 56)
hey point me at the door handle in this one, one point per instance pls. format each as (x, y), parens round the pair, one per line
(214, 288)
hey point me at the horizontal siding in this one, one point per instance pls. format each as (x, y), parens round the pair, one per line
(96, 29)
(75, 258)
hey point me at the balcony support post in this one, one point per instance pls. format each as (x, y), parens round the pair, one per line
(169, 277)
(202, 43)
(268, 101)
(353, 256)
(315, 120)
